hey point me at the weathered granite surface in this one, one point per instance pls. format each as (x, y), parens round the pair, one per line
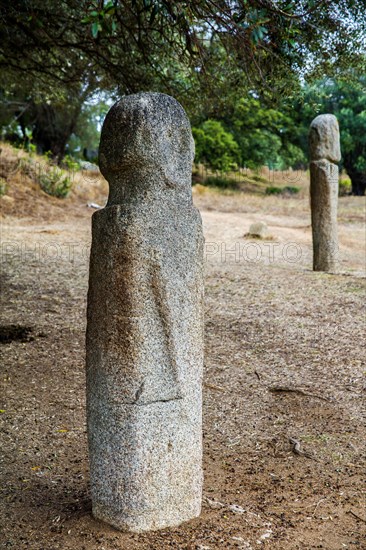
(145, 321)
(324, 141)
(324, 146)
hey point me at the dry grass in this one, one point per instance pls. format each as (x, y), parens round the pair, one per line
(24, 197)
(350, 209)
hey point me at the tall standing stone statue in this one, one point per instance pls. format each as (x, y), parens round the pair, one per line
(145, 322)
(325, 152)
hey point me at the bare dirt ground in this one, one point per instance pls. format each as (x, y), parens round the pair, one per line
(272, 325)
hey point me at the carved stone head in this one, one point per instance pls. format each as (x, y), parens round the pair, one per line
(146, 148)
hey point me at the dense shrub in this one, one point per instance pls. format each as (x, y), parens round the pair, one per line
(288, 190)
(272, 190)
(222, 182)
(215, 146)
(257, 177)
(291, 189)
(70, 163)
(52, 179)
(345, 187)
(54, 182)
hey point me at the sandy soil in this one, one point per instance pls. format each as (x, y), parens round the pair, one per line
(272, 325)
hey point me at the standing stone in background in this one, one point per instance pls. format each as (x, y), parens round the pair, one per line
(324, 146)
(259, 230)
(145, 322)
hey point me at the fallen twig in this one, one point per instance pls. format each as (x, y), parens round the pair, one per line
(213, 503)
(296, 448)
(279, 389)
(317, 504)
(213, 386)
(356, 516)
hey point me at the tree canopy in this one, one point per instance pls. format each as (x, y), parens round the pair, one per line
(251, 135)
(57, 55)
(139, 44)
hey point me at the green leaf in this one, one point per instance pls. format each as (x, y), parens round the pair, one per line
(258, 33)
(95, 29)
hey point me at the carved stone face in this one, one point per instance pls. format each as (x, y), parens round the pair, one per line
(146, 138)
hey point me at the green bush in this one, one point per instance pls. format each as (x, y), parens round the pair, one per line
(3, 187)
(221, 181)
(215, 146)
(31, 148)
(55, 183)
(28, 166)
(272, 190)
(258, 178)
(291, 189)
(70, 163)
(345, 187)
(288, 190)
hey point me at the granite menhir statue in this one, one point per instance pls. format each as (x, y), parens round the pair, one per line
(145, 321)
(325, 152)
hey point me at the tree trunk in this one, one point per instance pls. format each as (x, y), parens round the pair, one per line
(53, 127)
(52, 124)
(358, 180)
